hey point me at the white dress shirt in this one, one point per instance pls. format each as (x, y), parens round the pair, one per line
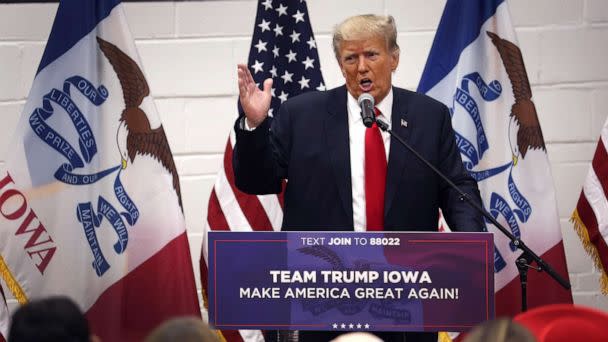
(356, 132)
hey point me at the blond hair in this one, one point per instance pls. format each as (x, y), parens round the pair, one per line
(366, 26)
(500, 330)
(183, 329)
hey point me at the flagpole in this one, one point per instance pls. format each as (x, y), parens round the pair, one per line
(524, 260)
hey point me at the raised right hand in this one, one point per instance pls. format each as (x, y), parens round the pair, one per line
(255, 102)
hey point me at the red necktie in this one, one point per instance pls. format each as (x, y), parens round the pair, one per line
(375, 177)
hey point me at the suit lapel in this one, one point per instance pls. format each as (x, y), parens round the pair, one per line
(336, 134)
(397, 156)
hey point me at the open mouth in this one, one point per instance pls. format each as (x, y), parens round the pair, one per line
(365, 84)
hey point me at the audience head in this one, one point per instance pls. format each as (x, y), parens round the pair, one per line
(183, 329)
(565, 322)
(49, 319)
(500, 330)
(357, 337)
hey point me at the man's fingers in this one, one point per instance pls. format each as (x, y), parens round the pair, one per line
(267, 85)
(249, 76)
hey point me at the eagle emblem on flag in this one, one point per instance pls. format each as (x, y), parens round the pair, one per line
(135, 136)
(523, 111)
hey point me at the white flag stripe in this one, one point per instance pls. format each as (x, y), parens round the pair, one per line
(273, 210)
(594, 192)
(230, 206)
(252, 335)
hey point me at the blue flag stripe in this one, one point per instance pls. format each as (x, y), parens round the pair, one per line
(460, 24)
(72, 23)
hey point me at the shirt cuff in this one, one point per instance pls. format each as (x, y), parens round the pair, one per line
(244, 126)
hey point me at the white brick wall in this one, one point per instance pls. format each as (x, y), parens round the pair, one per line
(564, 44)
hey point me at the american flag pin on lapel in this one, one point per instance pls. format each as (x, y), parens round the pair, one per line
(403, 123)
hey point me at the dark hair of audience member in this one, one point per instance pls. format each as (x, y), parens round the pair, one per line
(49, 319)
(500, 330)
(183, 329)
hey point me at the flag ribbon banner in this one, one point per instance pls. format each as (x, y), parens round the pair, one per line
(283, 47)
(350, 281)
(115, 245)
(476, 69)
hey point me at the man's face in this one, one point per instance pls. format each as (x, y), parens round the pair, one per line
(367, 66)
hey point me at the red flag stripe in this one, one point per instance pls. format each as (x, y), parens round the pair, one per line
(542, 289)
(250, 205)
(588, 218)
(144, 298)
(600, 166)
(215, 215)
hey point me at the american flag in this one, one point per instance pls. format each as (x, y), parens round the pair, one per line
(283, 48)
(590, 214)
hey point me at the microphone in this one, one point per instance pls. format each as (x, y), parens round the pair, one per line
(366, 102)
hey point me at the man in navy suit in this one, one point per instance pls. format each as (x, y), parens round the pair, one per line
(342, 175)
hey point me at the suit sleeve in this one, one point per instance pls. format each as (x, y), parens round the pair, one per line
(260, 158)
(459, 214)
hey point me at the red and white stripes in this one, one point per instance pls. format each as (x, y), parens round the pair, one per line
(590, 217)
(231, 209)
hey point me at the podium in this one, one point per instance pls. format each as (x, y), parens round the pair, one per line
(348, 281)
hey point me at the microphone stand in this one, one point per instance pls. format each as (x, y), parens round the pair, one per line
(524, 261)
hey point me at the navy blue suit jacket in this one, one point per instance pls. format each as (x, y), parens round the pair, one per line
(307, 142)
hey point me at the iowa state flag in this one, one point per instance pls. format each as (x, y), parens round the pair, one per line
(476, 68)
(89, 198)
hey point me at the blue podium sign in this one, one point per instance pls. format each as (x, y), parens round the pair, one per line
(346, 281)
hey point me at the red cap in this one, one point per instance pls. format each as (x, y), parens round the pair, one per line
(565, 322)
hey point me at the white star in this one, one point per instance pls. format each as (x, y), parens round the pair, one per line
(257, 66)
(350, 326)
(272, 92)
(265, 25)
(312, 43)
(295, 37)
(267, 4)
(275, 51)
(273, 71)
(366, 326)
(270, 112)
(278, 30)
(287, 77)
(291, 56)
(335, 326)
(283, 96)
(261, 46)
(281, 10)
(308, 63)
(321, 86)
(343, 326)
(358, 325)
(304, 83)
(299, 16)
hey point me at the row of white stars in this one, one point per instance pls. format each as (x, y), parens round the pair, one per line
(282, 10)
(261, 45)
(278, 31)
(291, 57)
(304, 81)
(350, 326)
